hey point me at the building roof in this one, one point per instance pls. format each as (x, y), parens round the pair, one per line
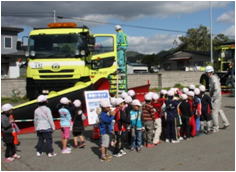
(180, 58)
(11, 29)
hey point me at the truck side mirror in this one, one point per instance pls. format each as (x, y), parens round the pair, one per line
(91, 43)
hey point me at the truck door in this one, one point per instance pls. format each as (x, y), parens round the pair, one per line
(104, 57)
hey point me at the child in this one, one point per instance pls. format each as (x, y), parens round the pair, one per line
(197, 110)
(148, 120)
(206, 111)
(44, 125)
(171, 114)
(65, 121)
(105, 126)
(136, 125)
(185, 113)
(157, 123)
(78, 125)
(192, 121)
(7, 136)
(120, 128)
(128, 108)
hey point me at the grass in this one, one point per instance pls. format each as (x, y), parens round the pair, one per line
(15, 100)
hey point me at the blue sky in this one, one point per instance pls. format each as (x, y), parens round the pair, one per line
(175, 15)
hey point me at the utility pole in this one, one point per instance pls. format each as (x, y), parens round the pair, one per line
(54, 16)
(211, 33)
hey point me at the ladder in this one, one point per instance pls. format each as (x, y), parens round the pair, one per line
(118, 82)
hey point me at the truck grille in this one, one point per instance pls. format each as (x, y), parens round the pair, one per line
(56, 76)
(61, 71)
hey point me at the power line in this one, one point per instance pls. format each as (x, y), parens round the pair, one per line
(127, 25)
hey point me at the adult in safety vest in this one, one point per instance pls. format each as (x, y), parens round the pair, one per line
(215, 93)
(122, 45)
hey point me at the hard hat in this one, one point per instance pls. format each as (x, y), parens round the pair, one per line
(209, 69)
(136, 102)
(192, 87)
(131, 93)
(190, 93)
(77, 103)
(117, 27)
(163, 92)
(128, 99)
(196, 91)
(202, 88)
(155, 96)
(124, 94)
(183, 96)
(148, 96)
(185, 90)
(64, 100)
(119, 101)
(113, 101)
(6, 107)
(105, 103)
(170, 92)
(42, 98)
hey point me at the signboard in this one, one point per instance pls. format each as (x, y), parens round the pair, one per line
(93, 99)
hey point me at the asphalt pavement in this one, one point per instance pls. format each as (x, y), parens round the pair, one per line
(215, 152)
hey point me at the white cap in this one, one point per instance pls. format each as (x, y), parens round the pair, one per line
(64, 100)
(202, 88)
(155, 96)
(171, 93)
(105, 103)
(124, 94)
(42, 98)
(131, 93)
(183, 96)
(128, 99)
(136, 102)
(148, 96)
(192, 87)
(209, 69)
(190, 93)
(119, 101)
(185, 90)
(163, 92)
(77, 103)
(113, 101)
(196, 91)
(117, 27)
(6, 107)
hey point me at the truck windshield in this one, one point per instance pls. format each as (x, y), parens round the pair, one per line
(56, 45)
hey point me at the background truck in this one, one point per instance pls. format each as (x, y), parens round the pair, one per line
(224, 54)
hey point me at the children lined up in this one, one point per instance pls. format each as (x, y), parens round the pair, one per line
(172, 116)
(124, 122)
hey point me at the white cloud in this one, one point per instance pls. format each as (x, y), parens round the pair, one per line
(227, 17)
(153, 44)
(230, 31)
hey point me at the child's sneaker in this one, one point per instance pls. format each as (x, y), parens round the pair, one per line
(108, 156)
(38, 154)
(9, 159)
(65, 151)
(118, 155)
(51, 155)
(167, 141)
(105, 159)
(69, 148)
(123, 152)
(132, 149)
(174, 141)
(139, 149)
(16, 156)
(181, 138)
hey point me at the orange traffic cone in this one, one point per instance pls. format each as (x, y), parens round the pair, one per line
(96, 133)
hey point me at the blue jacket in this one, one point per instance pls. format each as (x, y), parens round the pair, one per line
(171, 108)
(105, 124)
(135, 119)
(65, 117)
(122, 42)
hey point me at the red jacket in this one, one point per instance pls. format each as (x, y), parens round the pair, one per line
(119, 125)
(157, 105)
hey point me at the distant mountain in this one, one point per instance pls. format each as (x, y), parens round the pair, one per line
(134, 57)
